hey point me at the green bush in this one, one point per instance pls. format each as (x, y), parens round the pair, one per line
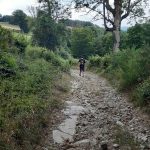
(5, 39)
(142, 93)
(27, 97)
(73, 62)
(144, 62)
(49, 56)
(64, 52)
(34, 52)
(7, 61)
(100, 62)
(106, 61)
(127, 69)
(95, 61)
(126, 66)
(56, 60)
(20, 42)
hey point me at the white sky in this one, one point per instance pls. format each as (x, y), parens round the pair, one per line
(8, 6)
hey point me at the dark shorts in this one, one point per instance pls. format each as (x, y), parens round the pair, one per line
(81, 67)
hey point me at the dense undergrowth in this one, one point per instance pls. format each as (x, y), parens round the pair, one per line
(128, 70)
(30, 81)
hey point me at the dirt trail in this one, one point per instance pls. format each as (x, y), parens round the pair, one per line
(107, 118)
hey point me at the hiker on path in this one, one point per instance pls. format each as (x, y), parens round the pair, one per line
(82, 65)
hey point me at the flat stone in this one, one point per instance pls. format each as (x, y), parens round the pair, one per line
(116, 145)
(144, 138)
(81, 143)
(120, 123)
(44, 148)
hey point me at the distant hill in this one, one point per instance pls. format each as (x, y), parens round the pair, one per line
(77, 23)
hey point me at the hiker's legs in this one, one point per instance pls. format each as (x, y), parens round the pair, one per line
(81, 70)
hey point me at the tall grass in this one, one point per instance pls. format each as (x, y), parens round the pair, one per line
(29, 79)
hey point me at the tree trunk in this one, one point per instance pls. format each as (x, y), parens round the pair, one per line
(116, 36)
(117, 24)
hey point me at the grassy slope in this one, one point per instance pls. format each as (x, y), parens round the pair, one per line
(9, 26)
(31, 83)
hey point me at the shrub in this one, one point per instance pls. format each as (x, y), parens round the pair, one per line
(144, 62)
(95, 61)
(106, 61)
(49, 56)
(20, 42)
(34, 52)
(7, 61)
(128, 69)
(27, 97)
(5, 39)
(8, 65)
(142, 93)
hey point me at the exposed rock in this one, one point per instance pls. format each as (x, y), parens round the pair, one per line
(116, 146)
(119, 123)
(82, 143)
(44, 148)
(144, 138)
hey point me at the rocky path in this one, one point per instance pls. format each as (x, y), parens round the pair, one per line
(103, 118)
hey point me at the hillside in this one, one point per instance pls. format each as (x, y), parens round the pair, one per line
(8, 26)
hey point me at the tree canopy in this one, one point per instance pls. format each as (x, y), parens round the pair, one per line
(20, 18)
(82, 42)
(113, 14)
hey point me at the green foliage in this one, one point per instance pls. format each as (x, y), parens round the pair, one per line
(100, 62)
(146, 33)
(20, 42)
(64, 54)
(26, 96)
(47, 33)
(142, 93)
(6, 18)
(20, 18)
(135, 36)
(124, 40)
(139, 35)
(107, 42)
(35, 52)
(7, 61)
(5, 39)
(103, 44)
(82, 42)
(44, 33)
(127, 69)
(50, 56)
(27, 87)
(95, 61)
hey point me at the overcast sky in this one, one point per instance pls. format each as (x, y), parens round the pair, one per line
(8, 6)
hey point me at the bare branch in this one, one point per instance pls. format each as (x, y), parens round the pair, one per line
(128, 11)
(108, 7)
(100, 13)
(104, 15)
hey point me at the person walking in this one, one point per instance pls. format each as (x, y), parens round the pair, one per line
(82, 66)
